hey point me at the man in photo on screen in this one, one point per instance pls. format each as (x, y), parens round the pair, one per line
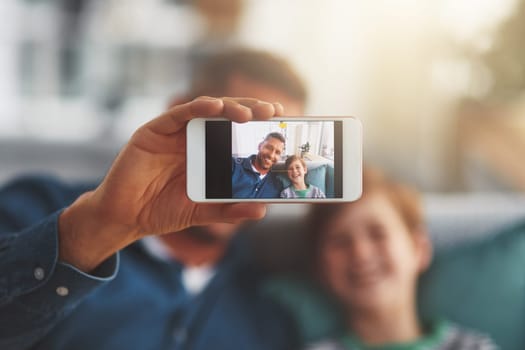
(252, 177)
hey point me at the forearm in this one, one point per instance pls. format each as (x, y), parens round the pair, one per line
(87, 236)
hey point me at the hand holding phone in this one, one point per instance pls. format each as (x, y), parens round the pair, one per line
(295, 159)
(144, 192)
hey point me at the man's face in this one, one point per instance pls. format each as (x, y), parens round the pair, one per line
(200, 245)
(269, 153)
(215, 235)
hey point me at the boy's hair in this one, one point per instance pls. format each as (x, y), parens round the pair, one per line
(211, 75)
(405, 200)
(292, 159)
(275, 135)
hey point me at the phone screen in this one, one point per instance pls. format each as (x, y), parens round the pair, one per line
(274, 159)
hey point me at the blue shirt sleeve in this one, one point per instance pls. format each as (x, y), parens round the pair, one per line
(37, 290)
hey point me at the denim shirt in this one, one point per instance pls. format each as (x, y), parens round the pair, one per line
(131, 301)
(246, 183)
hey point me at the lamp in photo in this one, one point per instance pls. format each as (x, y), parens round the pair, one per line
(283, 125)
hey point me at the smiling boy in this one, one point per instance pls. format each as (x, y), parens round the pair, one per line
(296, 168)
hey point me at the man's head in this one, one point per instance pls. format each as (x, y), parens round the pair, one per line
(247, 73)
(236, 73)
(269, 151)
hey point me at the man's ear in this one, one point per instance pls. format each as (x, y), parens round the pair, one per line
(178, 100)
(424, 249)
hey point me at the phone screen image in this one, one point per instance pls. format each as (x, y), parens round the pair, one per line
(288, 160)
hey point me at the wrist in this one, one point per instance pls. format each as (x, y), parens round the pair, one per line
(87, 237)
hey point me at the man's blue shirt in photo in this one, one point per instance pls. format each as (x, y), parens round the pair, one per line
(247, 183)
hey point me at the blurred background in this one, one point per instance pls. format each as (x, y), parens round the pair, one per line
(438, 85)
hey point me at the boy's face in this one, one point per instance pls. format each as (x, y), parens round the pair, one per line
(296, 171)
(368, 257)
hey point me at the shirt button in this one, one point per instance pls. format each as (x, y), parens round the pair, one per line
(39, 273)
(62, 291)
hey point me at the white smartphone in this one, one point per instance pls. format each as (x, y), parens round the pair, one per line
(285, 159)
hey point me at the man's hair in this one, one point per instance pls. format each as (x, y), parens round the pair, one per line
(292, 159)
(211, 75)
(275, 135)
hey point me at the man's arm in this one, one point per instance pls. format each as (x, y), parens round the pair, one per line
(37, 290)
(144, 192)
(48, 268)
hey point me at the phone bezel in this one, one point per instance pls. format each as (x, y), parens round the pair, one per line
(352, 162)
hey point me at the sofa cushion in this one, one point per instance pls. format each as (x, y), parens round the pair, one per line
(330, 181)
(481, 285)
(314, 312)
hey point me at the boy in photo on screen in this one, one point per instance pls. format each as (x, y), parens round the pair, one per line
(296, 169)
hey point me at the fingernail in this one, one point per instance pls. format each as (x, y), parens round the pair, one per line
(207, 98)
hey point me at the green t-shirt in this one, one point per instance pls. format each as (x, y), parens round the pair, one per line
(302, 193)
(431, 340)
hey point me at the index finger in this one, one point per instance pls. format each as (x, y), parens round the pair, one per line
(236, 109)
(174, 119)
(241, 110)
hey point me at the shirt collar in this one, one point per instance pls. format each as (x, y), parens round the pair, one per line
(194, 278)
